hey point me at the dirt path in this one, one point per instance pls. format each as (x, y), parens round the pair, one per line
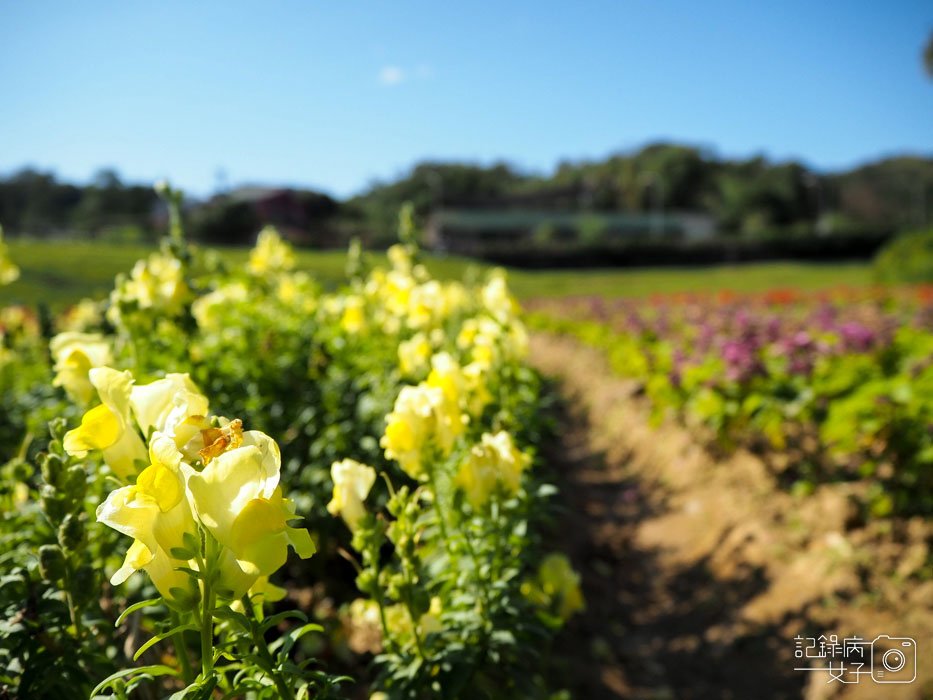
(698, 574)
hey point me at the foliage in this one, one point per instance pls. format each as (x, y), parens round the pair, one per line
(423, 380)
(751, 197)
(907, 260)
(837, 381)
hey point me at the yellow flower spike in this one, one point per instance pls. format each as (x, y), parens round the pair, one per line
(75, 354)
(208, 310)
(495, 462)
(413, 354)
(352, 483)
(157, 282)
(109, 427)
(271, 254)
(409, 425)
(353, 319)
(497, 299)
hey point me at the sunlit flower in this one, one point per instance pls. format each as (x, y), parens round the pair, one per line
(353, 319)
(409, 425)
(84, 315)
(109, 427)
(155, 513)
(75, 354)
(155, 283)
(352, 482)
(238, 499)
(494, 463)
(166, 404)
(413, 355)
(271, 254)
(497, 299)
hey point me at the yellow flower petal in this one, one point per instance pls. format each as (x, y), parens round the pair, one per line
(100, 428)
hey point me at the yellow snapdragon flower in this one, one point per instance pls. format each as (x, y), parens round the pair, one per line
(172, 406)
(109, 427)
(166, 404)
(492, 464)
(155, 283)
(75, 354)
(447, 376)
(425, 414)
(237, 498)
(155, 513)
(353, 319)
(271, 254)
(352, 483)
(86, 314)
(414, 354)
(409, 426)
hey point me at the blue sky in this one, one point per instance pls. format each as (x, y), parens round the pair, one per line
(334, 95)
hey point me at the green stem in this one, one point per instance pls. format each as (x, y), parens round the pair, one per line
(380, 601)
(72, 609)
(207, 609)
(442, 521)
(414, 630)
(181, 650)
(285, 693)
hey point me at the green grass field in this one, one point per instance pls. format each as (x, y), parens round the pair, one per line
(61, 272)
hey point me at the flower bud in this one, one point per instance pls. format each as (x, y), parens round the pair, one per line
(71, 532)
(58, 427)
(51, 562)
(21, 470)
(75, 483)
(52, 467)
(366, 582)
(51, 503)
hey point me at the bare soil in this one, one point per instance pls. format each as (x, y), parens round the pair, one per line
(699, 571)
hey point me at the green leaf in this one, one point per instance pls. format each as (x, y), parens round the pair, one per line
(233, 616)
(154, 670)
(288, 641)
(152, 602)
(274, 620)
(159, 637)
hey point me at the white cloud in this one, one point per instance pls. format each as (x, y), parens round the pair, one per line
(391, 75)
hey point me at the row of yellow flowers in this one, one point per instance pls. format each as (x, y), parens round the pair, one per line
(201, 496)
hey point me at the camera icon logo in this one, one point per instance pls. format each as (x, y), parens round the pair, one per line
(893, 659)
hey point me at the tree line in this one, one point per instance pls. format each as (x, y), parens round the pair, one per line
(747, 198)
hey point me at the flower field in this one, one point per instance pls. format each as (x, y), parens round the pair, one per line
(222, 482)
(835, 385)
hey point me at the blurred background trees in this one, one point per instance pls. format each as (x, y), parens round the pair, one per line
(749, 198)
